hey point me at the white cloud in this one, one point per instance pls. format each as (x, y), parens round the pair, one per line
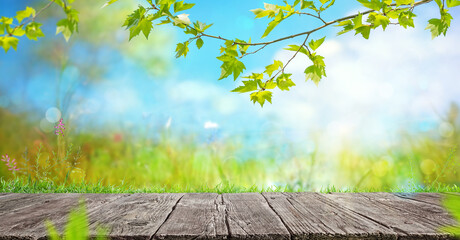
(210, 124)
(396, 77)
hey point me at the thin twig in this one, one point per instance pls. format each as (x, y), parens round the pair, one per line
(293, 56)
(31, 19)
(311, 15)
(254, 51)
(311, 31)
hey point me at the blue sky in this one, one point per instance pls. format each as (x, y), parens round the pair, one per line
(397, 79)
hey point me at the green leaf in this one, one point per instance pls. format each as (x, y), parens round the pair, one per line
(316, 44)
(439, 26)
(451, 203)
(315, 73)
(6, 20)
(18, 32)
(255, 76)
(273, 67)
(269, 85)
(307, 4)
(65, 27)
(182, 49)
(322, 8)
(77, 225)
(6, 42)
(33, 31)
(404, 2)
(435, 27)
(249, 86)
(405, 19)
(296, 48)
(372, 4)
(108, 3)
(364, 30)
(181, 6)
(243, 48)
(261, 97)
(378, 20)
(318, 60)
(347, 26)
(230, 65)
(145, 26)
(358, 21)
(284, 82)
(453, 3)
(201, 27)
(270, 27)
(134, 18)
(52, 232)
(20, 15)
(199, 43)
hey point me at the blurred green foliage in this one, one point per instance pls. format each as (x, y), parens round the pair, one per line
(422, 160)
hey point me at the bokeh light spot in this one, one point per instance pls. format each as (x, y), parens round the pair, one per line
(46, 126)
(427, 166)
(446, 129)
(53, 115)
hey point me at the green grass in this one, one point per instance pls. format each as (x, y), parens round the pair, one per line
(24, 186)
(173, 162)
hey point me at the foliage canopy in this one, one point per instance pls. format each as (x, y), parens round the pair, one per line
(380, 13)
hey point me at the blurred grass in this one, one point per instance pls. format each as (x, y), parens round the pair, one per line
(123, 162)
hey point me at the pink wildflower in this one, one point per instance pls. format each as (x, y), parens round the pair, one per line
(11, 164)
(59, 128)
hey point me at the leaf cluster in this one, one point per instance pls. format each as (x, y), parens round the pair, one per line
(11, 28)
(380, 13)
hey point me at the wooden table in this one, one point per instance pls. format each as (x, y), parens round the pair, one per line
(234, 215)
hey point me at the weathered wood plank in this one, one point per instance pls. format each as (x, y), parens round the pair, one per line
(429, 198)
(28, 221)
(14, 202)
(93, 201)
(4, 194)
(434, 213)
(250, 216)
(409, 224)
(137, 216)
(312, 216)
(35, 209)
(196, 215)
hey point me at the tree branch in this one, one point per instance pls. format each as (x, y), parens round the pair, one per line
(293, 56)
(311, 31)
(31, 19)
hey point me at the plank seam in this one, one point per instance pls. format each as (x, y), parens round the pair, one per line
(167, 217)
(290, 199)
(226, 215)
(284, 224)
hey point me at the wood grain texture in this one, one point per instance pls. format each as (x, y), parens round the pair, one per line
(234, 216)
(137, 216)
(250, 216)
(28, 220)
(409, 223)
(197, 215)
(313, 216)
(430, 198)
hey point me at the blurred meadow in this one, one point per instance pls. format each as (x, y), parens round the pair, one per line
(385, 119)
